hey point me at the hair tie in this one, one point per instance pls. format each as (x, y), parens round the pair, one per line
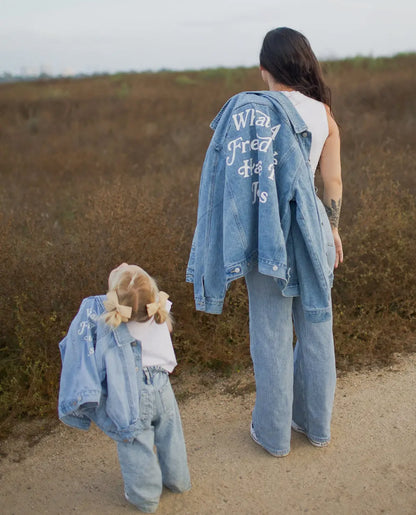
(119, 312)
(154, 307)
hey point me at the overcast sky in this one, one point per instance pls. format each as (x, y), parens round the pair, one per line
(84, 36)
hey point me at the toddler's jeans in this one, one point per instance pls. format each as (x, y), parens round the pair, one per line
(144, 470)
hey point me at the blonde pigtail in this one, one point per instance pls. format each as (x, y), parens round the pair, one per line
(157, 309)
(161, 315)
(116, 312)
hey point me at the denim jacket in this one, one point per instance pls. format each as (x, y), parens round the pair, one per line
(99, 376)
(258, 206)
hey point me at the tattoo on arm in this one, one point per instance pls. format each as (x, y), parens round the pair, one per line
(333, 211)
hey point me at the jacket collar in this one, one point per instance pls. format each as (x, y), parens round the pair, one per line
(122, 335)
(279, 101)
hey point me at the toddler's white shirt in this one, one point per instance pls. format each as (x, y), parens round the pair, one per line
(157, 348)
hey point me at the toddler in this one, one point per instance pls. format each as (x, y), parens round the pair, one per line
(116, 360)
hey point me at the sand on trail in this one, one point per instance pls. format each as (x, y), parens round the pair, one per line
(369, 467)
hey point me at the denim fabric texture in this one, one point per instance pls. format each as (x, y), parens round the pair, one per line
(258, 208)
(291, 386)
(98, 377)
(144, 471)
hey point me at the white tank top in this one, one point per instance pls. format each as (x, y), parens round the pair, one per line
(314, 115)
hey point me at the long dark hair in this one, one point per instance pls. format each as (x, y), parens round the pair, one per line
(288, 56)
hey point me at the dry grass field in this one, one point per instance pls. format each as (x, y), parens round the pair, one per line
(106, 169)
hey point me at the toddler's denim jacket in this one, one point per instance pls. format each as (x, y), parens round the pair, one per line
(258, 206)
(99, 376)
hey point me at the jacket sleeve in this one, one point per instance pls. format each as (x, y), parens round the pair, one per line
(80, 386)
(206, 265)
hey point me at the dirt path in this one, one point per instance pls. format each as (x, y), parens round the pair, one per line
(370, 466)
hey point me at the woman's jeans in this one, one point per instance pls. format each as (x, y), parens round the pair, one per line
(297, 385)
(144, 471)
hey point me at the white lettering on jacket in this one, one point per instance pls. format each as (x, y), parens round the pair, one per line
(271, 166)
(86, 325)
(240, 146)
(255, 116)
(251, 117)
(261, 195)
(261, 144)
(248, 168)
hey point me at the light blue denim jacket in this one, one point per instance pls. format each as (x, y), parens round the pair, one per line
(99, 380)
(258, 206)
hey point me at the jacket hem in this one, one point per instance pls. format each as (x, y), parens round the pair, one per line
(212, 306)
(271, 268)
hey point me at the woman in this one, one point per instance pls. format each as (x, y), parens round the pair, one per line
(259, 217)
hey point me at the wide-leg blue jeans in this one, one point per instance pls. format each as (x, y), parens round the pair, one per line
(297, 385)
(290, 385)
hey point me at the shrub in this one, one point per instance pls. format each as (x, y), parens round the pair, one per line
(109, 172)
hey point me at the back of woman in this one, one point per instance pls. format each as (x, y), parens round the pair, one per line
(294, 389)
(314, 114)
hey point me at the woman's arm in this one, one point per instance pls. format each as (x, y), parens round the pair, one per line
(330, 166)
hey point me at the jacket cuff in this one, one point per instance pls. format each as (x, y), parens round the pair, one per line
(79, 422)
(90, 397)
(212, 306)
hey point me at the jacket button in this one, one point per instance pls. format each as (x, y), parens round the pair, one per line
(275, 267)
(305, 134)
(236, 270)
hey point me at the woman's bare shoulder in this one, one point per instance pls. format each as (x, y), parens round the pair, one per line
(332, 124)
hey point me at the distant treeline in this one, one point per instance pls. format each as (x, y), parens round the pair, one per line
(10, 77)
